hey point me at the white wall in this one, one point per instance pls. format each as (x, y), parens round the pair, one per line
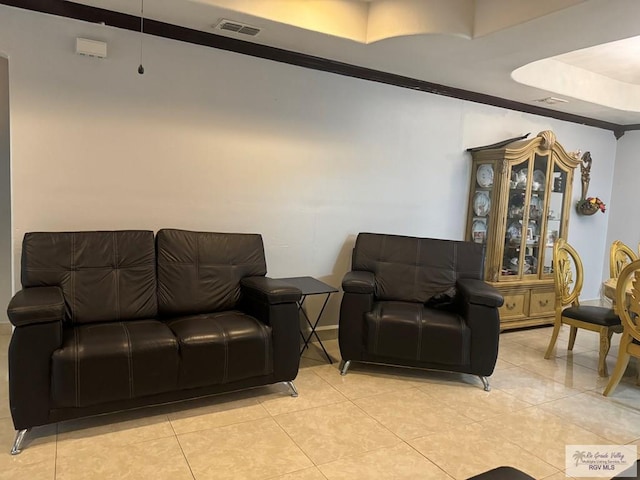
(5, 190)
(212, 140)
(623, 220)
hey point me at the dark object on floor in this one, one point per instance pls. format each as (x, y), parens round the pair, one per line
(629, 476)
(503, 473)
(108, 321)
(419, 302)
(510, 473)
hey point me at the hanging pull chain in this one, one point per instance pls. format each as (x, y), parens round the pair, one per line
(140, 67)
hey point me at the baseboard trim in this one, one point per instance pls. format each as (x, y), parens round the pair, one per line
(329, 332)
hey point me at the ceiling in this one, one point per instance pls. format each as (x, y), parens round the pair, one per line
(503, 48)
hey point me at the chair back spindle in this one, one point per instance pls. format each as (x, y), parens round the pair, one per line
(620, 255)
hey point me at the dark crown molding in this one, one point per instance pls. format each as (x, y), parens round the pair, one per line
(175, 32)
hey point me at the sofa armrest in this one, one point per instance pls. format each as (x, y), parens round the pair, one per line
(36, 305)
(38, 314)
(270, 290)
(359, 282)
(274, 303)
(478, 304)
(358, 299)
(479, 292)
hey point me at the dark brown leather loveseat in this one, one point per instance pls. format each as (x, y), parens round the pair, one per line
(108, 321)
(419, 302)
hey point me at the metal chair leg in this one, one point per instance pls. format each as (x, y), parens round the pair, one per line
(292, 387)
(344, 367)
(485, 383)
(17, 444)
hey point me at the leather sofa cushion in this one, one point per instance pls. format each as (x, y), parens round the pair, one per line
(414, 269)
(411, 331)
(104, 276)
(221, 347)
(104, 362)
(200, 272)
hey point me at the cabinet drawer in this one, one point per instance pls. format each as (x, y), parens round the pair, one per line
(514, 306)
(542, 303)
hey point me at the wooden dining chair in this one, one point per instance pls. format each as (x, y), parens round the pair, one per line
(620, 255)
(628, 307)
(603, 320)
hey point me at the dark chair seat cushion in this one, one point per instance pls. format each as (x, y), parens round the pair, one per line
(411, 331)
(591, 314)
(105, 362)
(221, 347)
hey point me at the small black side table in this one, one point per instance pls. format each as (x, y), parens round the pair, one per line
(311, 286)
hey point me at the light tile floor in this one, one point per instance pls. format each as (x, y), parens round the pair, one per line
(376, 422)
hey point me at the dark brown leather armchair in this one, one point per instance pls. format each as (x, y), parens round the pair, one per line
(108, 321)
(419, 302)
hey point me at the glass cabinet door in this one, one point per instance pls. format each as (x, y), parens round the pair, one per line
(526, 227)
(554, 220)
(516, 221)
(537, 197)
(481, 203)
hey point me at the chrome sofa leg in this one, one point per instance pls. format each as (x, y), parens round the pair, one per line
(344, 367)
(485, 383)
(17, 444)
(292, 387)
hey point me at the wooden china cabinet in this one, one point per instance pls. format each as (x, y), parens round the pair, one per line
(519, 204)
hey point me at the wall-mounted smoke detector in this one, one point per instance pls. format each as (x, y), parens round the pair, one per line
(551, 100)
(237, 27)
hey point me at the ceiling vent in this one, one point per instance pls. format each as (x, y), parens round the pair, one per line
(237, 27)
(551, 100)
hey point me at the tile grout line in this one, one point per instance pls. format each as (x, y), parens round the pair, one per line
(429, 460)
(295, 443)
(184, 455)
(347, 400)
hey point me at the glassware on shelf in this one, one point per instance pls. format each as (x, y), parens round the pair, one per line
(538, 181)
(536, 207)
(531, 263)
(514, 232)
(520, 178)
